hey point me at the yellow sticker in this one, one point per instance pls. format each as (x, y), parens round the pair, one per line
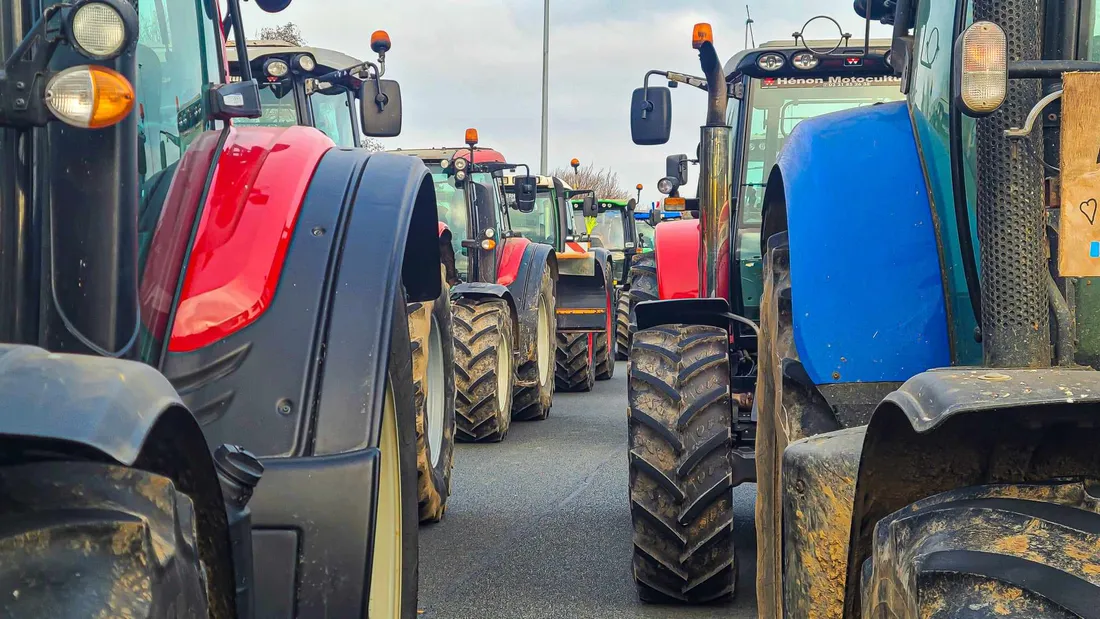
(1079, 232)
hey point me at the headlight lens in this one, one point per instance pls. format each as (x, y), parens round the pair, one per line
(89, 97)
(98, 29)
(306, 63)
(665, 186)
(276, 68)
(460, 164)
(771, 61)
(804, 61)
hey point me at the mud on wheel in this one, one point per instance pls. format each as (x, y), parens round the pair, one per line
(433, 355)
(89, 540)
(603, 354)
(1013, 551)
(643, 280)
(534, 390)
(622, 326)
(575, 368)
(681, 503)
(483, 369)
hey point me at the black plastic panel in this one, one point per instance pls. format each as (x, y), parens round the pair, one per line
(276, 552)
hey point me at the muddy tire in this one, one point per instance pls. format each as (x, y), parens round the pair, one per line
(603, 356)
(622, 326)
(574, 369)
(484, 370)
(433, 356)
(1013, 551)
(534, 391)
(681, 478)
(643, 280)
(83, 539)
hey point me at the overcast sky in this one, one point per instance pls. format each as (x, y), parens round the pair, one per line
(478, 63)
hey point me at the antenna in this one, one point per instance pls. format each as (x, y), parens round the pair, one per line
(749, 38)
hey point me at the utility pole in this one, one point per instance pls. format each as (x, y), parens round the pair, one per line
(545, 82)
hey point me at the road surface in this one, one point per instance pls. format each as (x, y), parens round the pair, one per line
(539, 526)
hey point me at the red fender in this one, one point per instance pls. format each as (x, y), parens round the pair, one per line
(443, 229)
(510, 258)
(245, 230)
(676, 248)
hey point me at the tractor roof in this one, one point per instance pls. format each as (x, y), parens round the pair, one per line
(790, 46)
(543, 182)
(327, 59)
(609, 203)
(481, 155)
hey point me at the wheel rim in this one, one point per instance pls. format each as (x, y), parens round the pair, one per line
(504, 370)
(436, 397)
(387, 563)
(543, 349)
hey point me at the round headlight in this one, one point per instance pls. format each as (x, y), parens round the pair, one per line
(771, 61)
(665, 186)
(306, 63)
(276, 68)
(98, 30)
(460, 175)
(460, 164)
(804, 61)
(444, 164)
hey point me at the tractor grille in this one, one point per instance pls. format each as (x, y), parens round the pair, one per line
(1011, 219)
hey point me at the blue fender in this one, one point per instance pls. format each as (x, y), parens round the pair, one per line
(866, 282)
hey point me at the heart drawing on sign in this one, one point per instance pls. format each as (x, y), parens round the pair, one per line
(1088, 209)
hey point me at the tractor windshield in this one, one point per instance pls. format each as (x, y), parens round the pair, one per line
(609, 227)
(279, 109)
(451, 207)
(778, 105)
(541, 224)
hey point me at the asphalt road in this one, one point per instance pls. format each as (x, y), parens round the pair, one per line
(539, 526)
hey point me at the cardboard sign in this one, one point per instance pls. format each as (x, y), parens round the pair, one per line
(1079, 232)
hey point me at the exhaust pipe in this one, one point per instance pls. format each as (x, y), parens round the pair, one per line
(714, 179)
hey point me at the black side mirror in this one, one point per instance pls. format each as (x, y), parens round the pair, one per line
(654, 217)
(526, 186)
(380, 108)
(589, 206)
(651, 115)
(676, 168)
(272, 6)
(235, 100)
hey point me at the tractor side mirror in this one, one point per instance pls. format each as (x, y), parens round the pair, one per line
(272, 6)
(235, 100)
(654, 217)
(676, 168)
(589, 206)
(525, 193)
(380, 108)
(651, 115)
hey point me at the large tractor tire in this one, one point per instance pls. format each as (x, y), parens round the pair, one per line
(643, 280)
(85, 539)
(395, 566)
(681, 477)
(622, 326)
(575, 367)
(484, 369)
(433, 356)
(534, 391)
(604, 352)
(1017, 551)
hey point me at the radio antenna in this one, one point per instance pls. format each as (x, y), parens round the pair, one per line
(749, 38)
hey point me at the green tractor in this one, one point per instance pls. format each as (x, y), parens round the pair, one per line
(925, 415)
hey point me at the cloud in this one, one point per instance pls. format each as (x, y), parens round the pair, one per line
(478, 63)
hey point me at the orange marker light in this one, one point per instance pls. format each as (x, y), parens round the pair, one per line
(90, 97)
(575, 162)
(471, 136)
(639, 187)
(380, 41)
(702, 33)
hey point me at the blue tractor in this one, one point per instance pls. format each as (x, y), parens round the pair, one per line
(926, 411)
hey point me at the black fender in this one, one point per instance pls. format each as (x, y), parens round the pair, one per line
(710, 312)
(481, 290)
(109, 409)
(956, 427)
(537, 258)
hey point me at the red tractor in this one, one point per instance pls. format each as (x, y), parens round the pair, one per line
(321, 88)
(504, 293)
(229, 259)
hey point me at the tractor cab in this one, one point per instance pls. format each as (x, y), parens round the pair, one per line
(614, 226)
(285, 71)
(544, 224)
